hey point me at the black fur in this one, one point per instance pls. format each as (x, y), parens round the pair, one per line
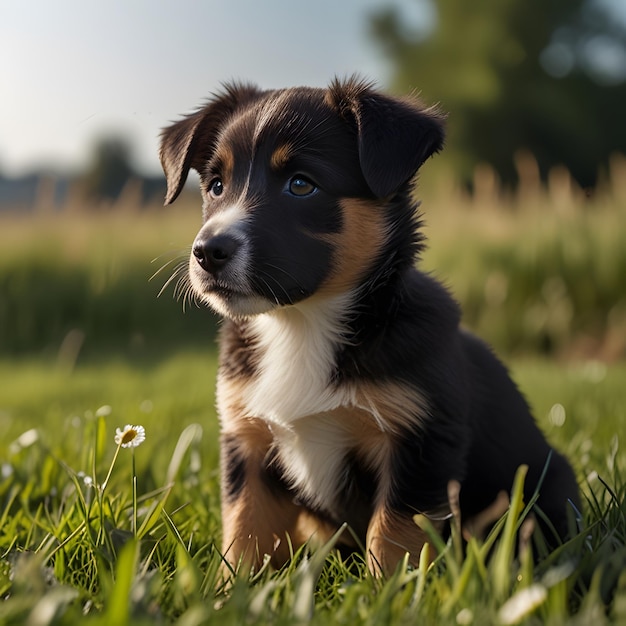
(234, 468)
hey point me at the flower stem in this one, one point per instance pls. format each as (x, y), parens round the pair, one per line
(134, 496)
(106, 480)
(100, 494)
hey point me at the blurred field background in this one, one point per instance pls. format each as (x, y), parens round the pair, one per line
(540, 269)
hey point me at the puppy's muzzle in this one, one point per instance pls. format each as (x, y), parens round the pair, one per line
(214, 253)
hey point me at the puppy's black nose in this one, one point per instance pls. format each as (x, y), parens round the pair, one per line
(215, 252)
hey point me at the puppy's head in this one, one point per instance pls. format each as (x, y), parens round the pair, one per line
(297, 187)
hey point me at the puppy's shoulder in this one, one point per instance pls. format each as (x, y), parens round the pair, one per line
(407, 327)
(425, 299)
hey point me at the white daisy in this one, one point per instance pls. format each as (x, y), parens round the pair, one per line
(130, 436)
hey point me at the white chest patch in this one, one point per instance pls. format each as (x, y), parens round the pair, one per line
(298, 346)
(291, 392)
(312, 453)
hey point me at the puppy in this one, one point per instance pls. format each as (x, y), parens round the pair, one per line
(346, 390)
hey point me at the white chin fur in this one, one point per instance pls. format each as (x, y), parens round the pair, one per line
(238, 306)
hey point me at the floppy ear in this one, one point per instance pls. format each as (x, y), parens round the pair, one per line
(190, 142)
(394, 136)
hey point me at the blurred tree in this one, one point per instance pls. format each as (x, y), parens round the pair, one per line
(548, 76)
(109, 170)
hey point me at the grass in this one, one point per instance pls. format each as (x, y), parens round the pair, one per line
(69, 550)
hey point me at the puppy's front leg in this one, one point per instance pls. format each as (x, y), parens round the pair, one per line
(390, 535)
(258, 513)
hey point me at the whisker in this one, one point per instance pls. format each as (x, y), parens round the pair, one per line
(162, 268)
(259, 277)
(288, 274)
(178, 255)
(190, 297)
(184, 291)
(174, 275)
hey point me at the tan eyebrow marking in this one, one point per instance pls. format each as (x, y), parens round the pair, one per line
(226, 160)
(280, 157)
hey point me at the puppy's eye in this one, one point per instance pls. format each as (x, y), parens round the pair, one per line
(216, 187)
(300, 186)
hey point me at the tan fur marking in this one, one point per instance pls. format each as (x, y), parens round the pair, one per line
(316, 532)
(281, 156)
(229, 400)
(356, 246)
(276, 529)
(256, 524)
(364, 436)
(395, 407)
(226, 159)
(390, 536)
(258, 520)
(478, 525)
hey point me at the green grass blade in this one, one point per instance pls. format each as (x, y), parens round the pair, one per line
(502, 561)
(118, 604)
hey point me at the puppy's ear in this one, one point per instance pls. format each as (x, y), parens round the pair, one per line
(394, 136)
(190, 142)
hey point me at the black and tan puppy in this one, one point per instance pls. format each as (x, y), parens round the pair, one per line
(346, 390)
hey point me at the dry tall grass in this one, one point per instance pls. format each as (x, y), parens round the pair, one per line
(538, 268)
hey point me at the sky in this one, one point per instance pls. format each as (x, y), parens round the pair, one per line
(73, 71)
